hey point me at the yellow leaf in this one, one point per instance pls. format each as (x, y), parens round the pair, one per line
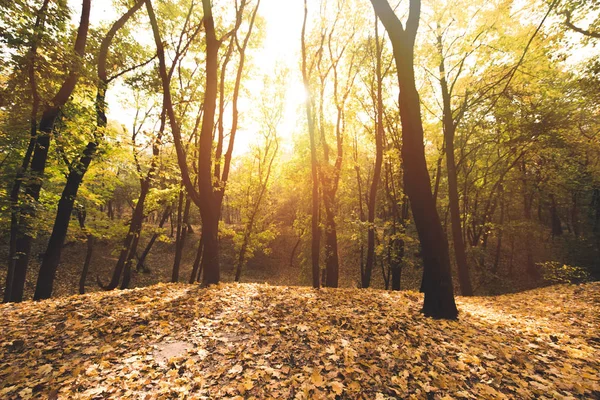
(316, 378)
(337, 387)
(236, 369)
(45, 369)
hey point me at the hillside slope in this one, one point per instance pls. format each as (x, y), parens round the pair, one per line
(260, 341)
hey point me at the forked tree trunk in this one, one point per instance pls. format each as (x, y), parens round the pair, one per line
(140, 264)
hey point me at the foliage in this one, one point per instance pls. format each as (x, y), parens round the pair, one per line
(554, 272)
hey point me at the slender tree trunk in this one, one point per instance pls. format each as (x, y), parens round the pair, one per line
(182, 221)
(556, 224)
(449, 134)
(372, 202)
(315, 240)
(140, 265)
(53, 252)
(134, 230)
(500, 234)
(530, 266)
(81, 215)
(437, 278)
(195, 275)
(331, 249)
(575, 214)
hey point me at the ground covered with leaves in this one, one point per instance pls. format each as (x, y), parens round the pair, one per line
(259, 341)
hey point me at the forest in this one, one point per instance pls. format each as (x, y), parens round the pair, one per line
(421, 156)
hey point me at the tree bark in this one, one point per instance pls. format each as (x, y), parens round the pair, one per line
(449, 125)
(372, 203)
(16, 188)
(24, 238)
(81, 216)
(140, 264)
(182, 230)
(315, 234)
(437, 278)
(75, 178)
(195, 275)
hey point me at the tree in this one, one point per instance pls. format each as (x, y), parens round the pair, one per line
(315, 233)
(437, 279)
(77, 169)
(22, 237)
(211, 183)
(379, 134)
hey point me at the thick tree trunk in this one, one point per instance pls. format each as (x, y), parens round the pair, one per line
(210, 256)
(437, 278)
(530, 266)
(16, 188)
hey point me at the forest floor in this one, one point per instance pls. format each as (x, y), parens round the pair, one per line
(260, 341)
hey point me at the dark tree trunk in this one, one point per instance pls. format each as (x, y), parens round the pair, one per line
(555, 218)
(16, 188)
(65, 205)
(140, 264)
(210, 255)
(315, 234)
(127, 247)
(449, 125)
(437, 278)
(500, 234)
(81, 215)
(53, 253)
(23, 235)
(331, 250)
(372, 201)
(575, 215)
(182, 222)
(530, 266)
(195, 275)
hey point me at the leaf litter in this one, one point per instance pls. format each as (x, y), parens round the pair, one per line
(255, 341)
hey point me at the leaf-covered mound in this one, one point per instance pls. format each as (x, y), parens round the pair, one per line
(260, 341)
